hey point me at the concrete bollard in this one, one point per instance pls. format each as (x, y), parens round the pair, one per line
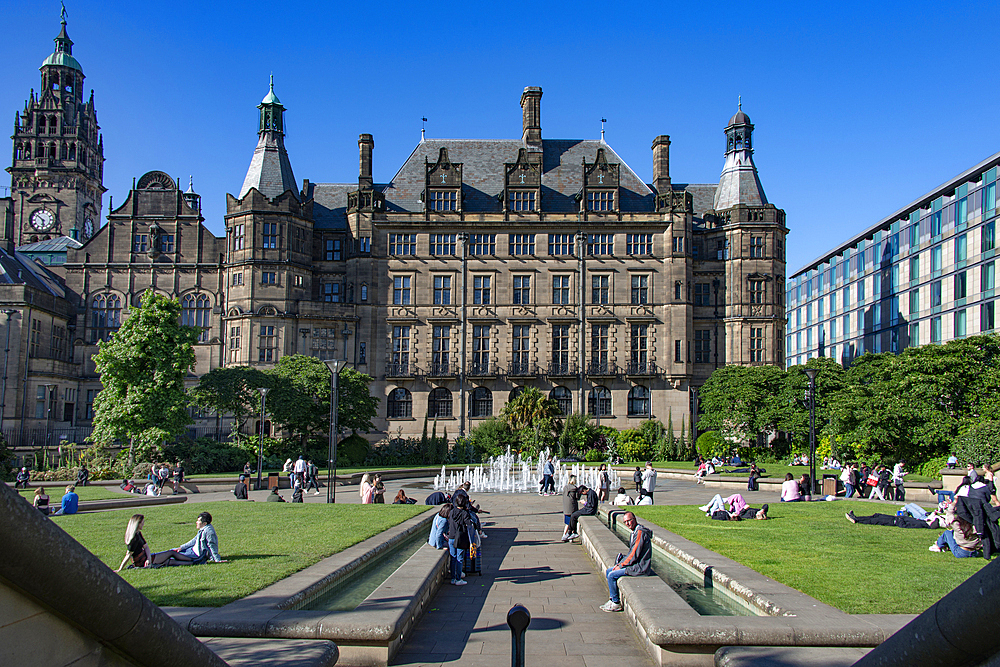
(518, 619)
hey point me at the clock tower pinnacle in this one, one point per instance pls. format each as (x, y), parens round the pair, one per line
(58, 162)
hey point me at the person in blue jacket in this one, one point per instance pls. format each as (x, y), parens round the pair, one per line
(70, 501)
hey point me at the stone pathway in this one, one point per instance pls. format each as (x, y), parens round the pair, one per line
(524, 562)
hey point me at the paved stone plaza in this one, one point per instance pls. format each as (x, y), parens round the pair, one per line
(524, 562)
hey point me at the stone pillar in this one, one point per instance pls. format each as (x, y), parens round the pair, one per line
(661, 163)
(531, 107)
(366, 144)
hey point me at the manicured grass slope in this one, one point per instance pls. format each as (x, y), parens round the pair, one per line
(264, 542)
(813, 548)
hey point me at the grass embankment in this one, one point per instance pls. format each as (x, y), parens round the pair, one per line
(340, 471)
(263, 542)
(56, 490)
(813, 548)
(774, 470)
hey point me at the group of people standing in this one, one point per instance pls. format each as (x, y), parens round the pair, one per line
(457, 527)
(875, 483)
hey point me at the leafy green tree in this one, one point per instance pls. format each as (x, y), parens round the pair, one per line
(492, 437)
(142, 368)
(534, 416)
(299, 399)
(669, 440)
(579, 433)
(231, 391)
(742, 401)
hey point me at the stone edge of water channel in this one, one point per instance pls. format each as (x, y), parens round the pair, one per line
(369, 635)
(673, 633)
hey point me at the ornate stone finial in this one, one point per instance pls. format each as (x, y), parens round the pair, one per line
(423, 128)
(272, 82)
(603, 121)
(62, 12)
(739, 107)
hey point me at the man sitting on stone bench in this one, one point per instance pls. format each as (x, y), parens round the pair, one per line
(637, 563)
(589, 509)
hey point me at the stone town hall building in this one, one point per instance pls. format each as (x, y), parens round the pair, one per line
(481, 267)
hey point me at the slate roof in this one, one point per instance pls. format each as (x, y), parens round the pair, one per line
(702, 194)
(58, 244)
(18, 269)
(330, 204)
(483, 174)
(270, 170)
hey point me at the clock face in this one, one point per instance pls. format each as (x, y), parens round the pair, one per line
(43, 220)
(88, 228)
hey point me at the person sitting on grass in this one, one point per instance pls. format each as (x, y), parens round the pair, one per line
(21, 480)
(137, 550)
(41, 501)
(805, 487)
(790, 490)
(904, 521)
(70, 502)
(637, 563)
(274, 496)
(622, 498)
(204, 546)
(960, 538)
(738, 509)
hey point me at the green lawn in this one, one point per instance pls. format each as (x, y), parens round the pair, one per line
(774, 470)
(57, 489)
(813, 548)
(263, 542)
(340, 471)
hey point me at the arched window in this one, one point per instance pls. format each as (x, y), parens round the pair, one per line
(400, 404)
(482, 402)
(638, 401)
(599, 402)
(439, 403)
(72, 151)
(106, 318)
(196, 311)
(564, 398)
(515, 392)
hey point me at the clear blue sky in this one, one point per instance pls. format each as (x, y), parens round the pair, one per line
(859, 107)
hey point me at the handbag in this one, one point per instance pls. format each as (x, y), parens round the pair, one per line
(872, 480)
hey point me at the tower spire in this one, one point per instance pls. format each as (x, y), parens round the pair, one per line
(739, 183)
(270, 170)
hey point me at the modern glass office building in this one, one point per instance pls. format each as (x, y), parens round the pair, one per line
(925, 274)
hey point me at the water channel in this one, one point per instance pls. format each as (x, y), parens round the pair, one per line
(694, 587)
(347, 593)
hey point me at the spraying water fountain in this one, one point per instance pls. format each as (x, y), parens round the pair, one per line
(508, 473)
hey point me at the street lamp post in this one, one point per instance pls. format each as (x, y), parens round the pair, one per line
(10, 312)
(335, 366)
(260, 442)
(48, 418)
(811, 373)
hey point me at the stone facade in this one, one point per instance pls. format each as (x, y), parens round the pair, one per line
(482, 267)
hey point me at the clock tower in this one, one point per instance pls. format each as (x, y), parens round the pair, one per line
(58, 162)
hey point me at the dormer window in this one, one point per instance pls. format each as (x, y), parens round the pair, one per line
(601, 201)
(522, 201)
(443, 200)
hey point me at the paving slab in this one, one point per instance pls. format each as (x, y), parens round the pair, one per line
(524, 562)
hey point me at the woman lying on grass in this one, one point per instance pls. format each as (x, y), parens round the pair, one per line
(738, 509)
(138, 549)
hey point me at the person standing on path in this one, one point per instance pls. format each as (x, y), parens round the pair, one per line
(569, 505)
(178, 476)
(637, 478)
(548, 485)
(312, 477)
(648, 480)
(897, 480)
(604, 484)
(459, 527)
(300, 470)
(637, 563)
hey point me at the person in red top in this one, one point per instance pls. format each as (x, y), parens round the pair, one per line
(637, 563)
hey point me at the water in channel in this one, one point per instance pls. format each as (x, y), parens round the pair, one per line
(692, 586)
(348, 593)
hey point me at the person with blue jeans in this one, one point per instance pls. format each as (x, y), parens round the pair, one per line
(636, 563)
(962, 539)
(70, 502)
(548, 485)
(459, 530)
(204, 546)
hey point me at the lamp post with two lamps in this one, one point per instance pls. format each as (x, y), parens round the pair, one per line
(335, 366)
(260, 442)
(811, 373)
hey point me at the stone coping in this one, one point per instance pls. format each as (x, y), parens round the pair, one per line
(125, 502)
(672, 630)
(371, 634)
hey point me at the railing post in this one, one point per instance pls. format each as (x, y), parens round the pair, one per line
(518, 619)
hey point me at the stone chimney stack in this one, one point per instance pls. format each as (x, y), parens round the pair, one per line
(661, 163)
(531, 107)
(366, 144)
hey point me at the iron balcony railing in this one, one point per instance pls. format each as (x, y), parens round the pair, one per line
(640, 368)
(522, 370)
(442, 369)
(400, 370)
(603, 369)
(562, 369)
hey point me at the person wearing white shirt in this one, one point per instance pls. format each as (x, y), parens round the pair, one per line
(648, 482)
(622, 498)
